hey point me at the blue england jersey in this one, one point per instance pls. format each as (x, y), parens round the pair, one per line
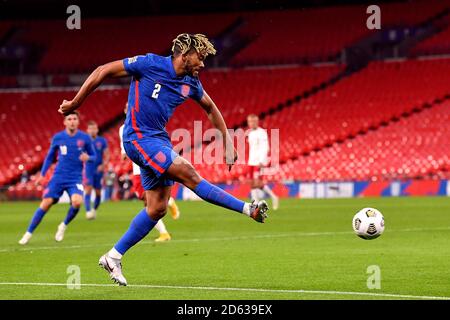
(68, 149)
(100, 145)
(155, 92)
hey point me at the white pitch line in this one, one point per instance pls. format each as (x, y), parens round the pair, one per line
(148, 286)
(267, 236)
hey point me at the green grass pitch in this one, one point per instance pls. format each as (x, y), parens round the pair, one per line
(305, 250)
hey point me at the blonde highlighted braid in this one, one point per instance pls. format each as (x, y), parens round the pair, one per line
(185, 42)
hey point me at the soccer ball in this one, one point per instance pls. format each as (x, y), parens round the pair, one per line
(368, 223)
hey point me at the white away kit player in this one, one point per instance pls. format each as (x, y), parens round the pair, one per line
(258, 159)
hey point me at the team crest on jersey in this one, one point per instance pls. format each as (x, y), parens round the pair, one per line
(80, 143)
(99, 145)
(185, 90)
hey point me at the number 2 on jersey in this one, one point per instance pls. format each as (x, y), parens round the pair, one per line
(155, 93)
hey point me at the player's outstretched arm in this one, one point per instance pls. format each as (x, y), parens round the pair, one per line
(113, 69)
(218, 122)
(49, 159)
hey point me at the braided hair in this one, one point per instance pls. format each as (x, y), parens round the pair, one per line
(186, 42)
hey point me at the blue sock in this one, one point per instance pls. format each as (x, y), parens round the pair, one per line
(87, 202)
(97, 201)
(71, 214)
(217, 196)
(38, 215)
(139, 228)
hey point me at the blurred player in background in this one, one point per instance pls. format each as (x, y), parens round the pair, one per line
(73, 147)
(258, 158)
(159, 85)
(94, 170)
(139, 191)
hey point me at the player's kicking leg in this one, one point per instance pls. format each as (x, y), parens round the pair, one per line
(182, 171)
(76, 198)
(143, 223)
(39, 214)
(157, 179)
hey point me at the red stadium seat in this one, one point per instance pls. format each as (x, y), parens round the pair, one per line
(414, 147)
(29, 120)
(324, 32)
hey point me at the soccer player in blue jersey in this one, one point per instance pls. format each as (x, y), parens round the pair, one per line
(158, 85)
(93, 170)
(72, 147)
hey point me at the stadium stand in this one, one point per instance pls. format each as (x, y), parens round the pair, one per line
(324, 32)
(243, 91)
(437, 44)
(413, 147)
(29, 119)
(90, 47)
(381, 122)
(352, 106)
(106, 105)
(382, 91)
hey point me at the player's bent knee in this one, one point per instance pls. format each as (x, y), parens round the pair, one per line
(46, 204)
(76, 201)
(76, 204)
(185, 173)
(156, 212)
(191, 178)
